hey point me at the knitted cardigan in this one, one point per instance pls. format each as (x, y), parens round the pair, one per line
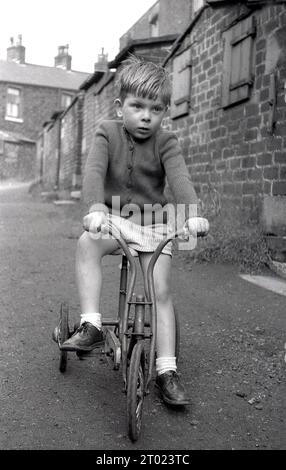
(134, 171)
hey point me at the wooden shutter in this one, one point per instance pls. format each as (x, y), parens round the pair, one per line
(181, 84)
(237, 63)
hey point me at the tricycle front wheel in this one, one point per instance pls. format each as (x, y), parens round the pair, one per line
(135, 390)
(63, 335)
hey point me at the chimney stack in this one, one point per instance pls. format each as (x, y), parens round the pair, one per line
(102, 62)
(16, 52)
(63, 59)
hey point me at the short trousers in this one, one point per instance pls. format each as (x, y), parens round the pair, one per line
(140, 238)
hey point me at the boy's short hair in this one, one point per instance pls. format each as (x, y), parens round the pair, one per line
(144, 79)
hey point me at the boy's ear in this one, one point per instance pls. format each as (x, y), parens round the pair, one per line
(118, 106)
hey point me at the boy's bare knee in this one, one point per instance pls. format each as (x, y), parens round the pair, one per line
(84, 240)
(95, 246)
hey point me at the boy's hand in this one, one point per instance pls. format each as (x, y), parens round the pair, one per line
(93, 221)
(197, 226)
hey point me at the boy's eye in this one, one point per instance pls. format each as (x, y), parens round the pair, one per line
(157, 109)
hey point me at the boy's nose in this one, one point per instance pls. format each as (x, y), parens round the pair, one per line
(146, 115)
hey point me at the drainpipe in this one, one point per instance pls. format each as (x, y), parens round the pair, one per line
(76, 181)
(58, 155)
(41, 151)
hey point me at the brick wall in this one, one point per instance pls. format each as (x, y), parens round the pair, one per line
(50, 139)
(70, 121)
(153, 53)
(98, 105)
(231, 149)
(18, 161)
(173, 17)
(38, 105)
(27, 162)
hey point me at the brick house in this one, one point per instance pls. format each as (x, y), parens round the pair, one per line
(228, 109)
(30, 94)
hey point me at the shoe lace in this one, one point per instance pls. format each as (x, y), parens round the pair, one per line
(173, 376)
(83, 327)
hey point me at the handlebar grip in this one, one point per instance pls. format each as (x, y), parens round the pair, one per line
(86, 228)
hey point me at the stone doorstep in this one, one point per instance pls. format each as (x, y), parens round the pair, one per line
(49, 195)
(74, 198)
(278, 268)
(75, 194)
(63, 202)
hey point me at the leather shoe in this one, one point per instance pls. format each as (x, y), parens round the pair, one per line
(85, 338)
(171, 390)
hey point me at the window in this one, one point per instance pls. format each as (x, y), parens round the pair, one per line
(66, 100)
(182, 71)
(238, 62)
(13, 108)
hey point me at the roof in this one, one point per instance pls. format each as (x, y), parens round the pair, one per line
(39, 75)
(137, 43)
(14, 137)
(100, 79)
(91, 79)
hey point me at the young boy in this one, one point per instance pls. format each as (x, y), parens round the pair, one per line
(126, 170)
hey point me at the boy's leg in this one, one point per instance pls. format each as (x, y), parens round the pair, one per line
(88, 269)
(167, 379)
(89, 280)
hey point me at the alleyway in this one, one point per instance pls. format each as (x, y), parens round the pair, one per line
(232, 351)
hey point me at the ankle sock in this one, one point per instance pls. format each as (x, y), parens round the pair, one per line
(93, 317)
(163, 364)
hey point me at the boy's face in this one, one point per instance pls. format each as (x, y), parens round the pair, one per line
(142, 117)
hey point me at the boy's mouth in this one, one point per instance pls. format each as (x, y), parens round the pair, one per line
(143, 129)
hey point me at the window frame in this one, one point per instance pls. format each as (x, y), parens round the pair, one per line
(11, 117)
(180, 103)
(66, 94)
(236, 91)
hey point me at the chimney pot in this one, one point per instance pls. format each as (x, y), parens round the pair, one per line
(63, 59)
(16, 53)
